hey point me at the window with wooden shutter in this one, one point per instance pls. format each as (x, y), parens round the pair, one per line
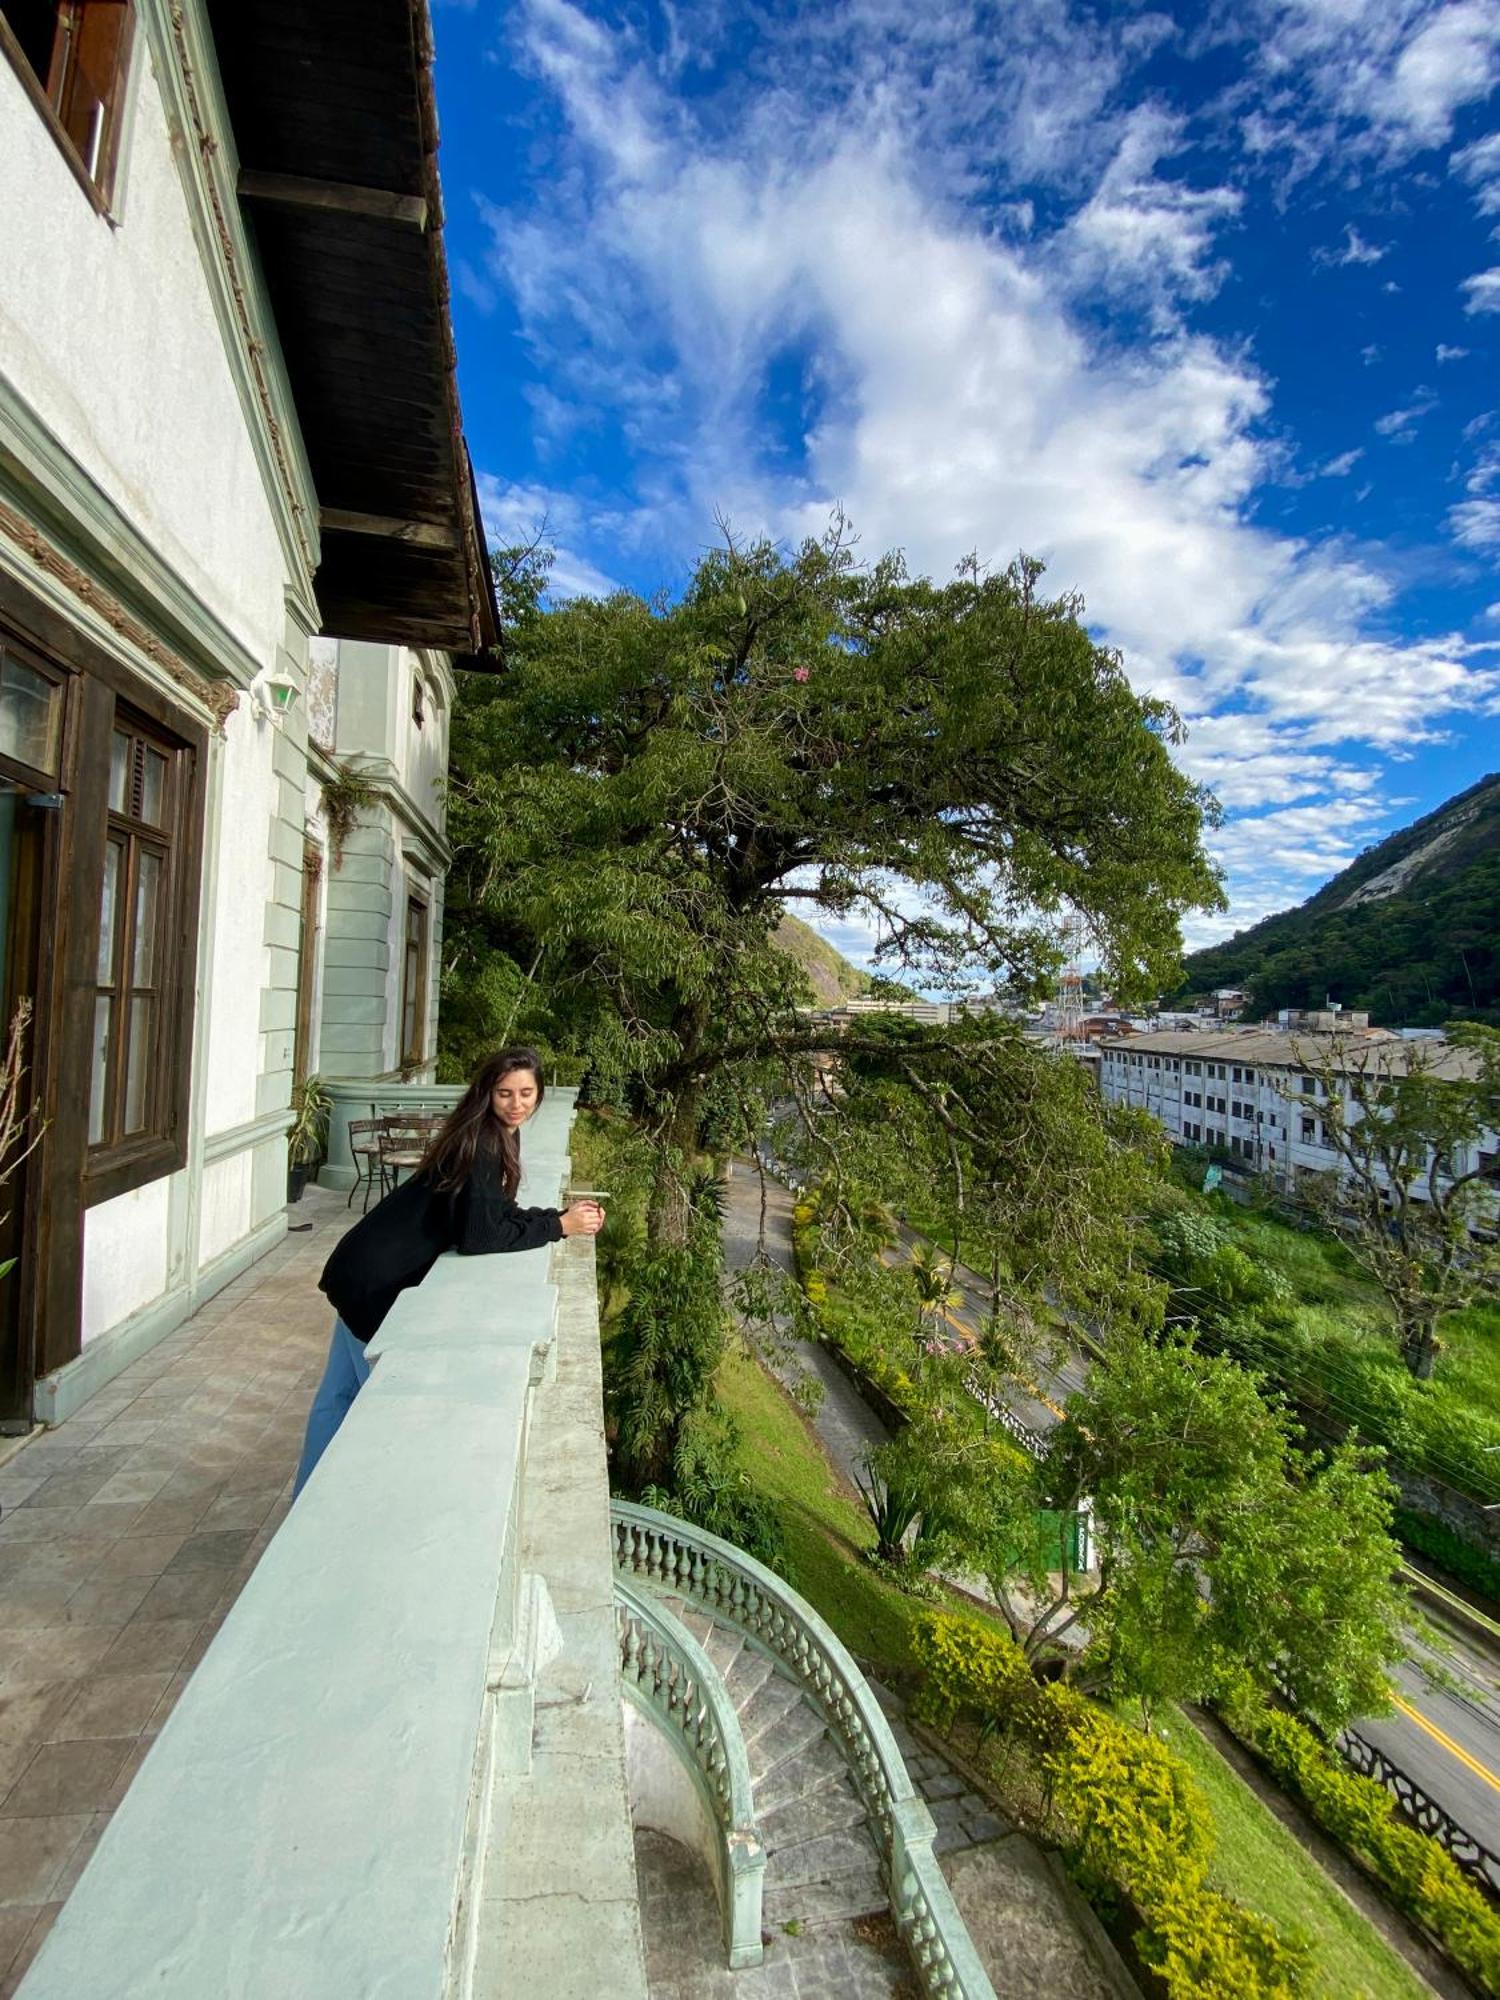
(129, 1070)
(74, 58)
(414, 985)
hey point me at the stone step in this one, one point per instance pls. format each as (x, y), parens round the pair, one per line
(785, 1738)
(859, 1895)
(834, 1804)
(724, 1646)
(830, 1857)
(767, 1705)
(748, 1676)
(820, 1765)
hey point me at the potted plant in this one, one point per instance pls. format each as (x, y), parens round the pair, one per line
(310, 1107)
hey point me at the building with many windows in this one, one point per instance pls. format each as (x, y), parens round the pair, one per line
(1249, 1092)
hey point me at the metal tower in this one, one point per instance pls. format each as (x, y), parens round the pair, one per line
(1068, 1001)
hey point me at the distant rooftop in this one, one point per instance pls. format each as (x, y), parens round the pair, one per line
(1277, 1048)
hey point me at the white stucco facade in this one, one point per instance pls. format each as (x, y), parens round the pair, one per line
(158, 551)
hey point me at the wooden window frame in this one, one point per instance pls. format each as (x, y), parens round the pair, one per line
(98, 185)
(412, 1050)
(138, 840)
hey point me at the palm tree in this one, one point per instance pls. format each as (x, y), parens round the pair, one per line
(932, 1280)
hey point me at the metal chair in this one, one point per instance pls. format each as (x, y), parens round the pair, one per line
(404, 1138)
(364, 1149)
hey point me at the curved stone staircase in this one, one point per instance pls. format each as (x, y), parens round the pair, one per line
(820, 1846)
(822, 1862)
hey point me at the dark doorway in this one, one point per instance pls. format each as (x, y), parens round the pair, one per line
(32, 701)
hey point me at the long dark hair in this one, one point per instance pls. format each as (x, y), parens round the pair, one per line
(471, 1132)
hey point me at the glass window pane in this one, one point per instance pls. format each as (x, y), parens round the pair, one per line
(104, 1009)
(30, 714)
(153, 788)
(138, 1064)
(120, 747)
(147, 910)
(109, 913)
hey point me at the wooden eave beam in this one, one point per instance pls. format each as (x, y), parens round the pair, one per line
(342, 197)
(418, 534)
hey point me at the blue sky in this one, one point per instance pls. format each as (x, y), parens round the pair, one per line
(1199, 305)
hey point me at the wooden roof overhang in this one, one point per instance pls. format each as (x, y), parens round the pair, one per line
(335, 124)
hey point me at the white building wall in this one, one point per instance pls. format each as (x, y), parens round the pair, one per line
(125, 1255)
(110, 337)
(119, 375)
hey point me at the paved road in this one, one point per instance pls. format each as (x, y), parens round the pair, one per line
(844, 1422)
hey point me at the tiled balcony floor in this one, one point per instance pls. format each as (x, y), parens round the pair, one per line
(126, 1534)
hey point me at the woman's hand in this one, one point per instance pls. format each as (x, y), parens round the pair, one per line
(582, 1218)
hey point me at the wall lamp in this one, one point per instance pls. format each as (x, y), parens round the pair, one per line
(276, 696)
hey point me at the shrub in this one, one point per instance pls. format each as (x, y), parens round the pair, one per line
(1442, 1545)
(1126, 1811)
(1361, 1816)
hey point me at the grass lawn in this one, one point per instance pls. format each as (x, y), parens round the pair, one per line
(1341, 1352)
(826, 1531)
(1261, 1865)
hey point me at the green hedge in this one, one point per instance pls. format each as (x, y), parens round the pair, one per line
(1360, 1814)
(1135, 1827)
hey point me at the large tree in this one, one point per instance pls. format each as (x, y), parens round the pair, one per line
(648, 785)
(1413, 1176)
(1220, 1547)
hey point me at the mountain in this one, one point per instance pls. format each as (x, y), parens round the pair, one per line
(829, 973)
(1410, 930)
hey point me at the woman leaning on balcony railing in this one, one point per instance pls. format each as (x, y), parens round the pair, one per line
(462, 1197)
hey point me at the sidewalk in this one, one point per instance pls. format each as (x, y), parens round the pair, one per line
(126, 1534)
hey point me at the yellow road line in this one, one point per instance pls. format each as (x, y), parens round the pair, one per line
(1454, 1749)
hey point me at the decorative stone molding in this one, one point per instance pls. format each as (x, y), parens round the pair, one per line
(218, 697)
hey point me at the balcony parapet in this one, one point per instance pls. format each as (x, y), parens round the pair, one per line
(334, 1807)
(667, 1673)
(674, 1556)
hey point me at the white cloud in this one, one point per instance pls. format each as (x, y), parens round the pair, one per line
(1142, 234)
(956, 398)
(1475, 522)
(1446, 353)
(1400, 425)
(1482, 291)
(1367, 80)
(1370, 354)
(1353, 250)
(1343, 465)
(1479, 165)
(517, 514)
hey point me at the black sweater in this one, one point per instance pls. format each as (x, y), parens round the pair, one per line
(402, 1237)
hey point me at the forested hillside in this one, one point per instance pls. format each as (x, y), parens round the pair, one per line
(830, 974)
(1411, 930)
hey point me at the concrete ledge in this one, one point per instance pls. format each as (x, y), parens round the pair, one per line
(57, 1396)
(339, 1807)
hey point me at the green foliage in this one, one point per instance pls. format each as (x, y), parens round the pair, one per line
(308, 1132)
(1221, 1544)
(668, 1343)
(942, 1488)
(1128, 1814)
(345, 796)
(1418, 958)
(1434, 1539)
(1411, 1200)
(1360, 1815)
(1337, 1355)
